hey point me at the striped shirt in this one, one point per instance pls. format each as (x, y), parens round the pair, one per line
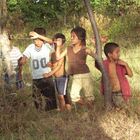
(15, 54)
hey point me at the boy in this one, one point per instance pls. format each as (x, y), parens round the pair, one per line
(81, 79)
(117, 69)
(15, 57)
(58, 70)
(40, 53)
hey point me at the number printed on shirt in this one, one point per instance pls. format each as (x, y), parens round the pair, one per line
(37, 63)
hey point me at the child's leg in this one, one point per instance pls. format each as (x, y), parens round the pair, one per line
(88, 90)
(76, 87)
(118, 100)
(61, 86)
(67, 102)
(61, 102)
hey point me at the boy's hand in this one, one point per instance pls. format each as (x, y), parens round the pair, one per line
(128, 69)
(121, 62)
(103, 39)
(34, 35)
(90, 52)
(49, 64)
(58, 42)
(46, 75)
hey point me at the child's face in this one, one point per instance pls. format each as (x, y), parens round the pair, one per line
(38, 43)
(74, 39)
(115, 54)
(58, 42)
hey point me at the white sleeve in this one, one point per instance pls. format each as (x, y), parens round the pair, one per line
(27, 52)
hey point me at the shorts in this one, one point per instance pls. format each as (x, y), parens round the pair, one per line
(117, 99)
(61, 84)
(44, 94)
(81, 85)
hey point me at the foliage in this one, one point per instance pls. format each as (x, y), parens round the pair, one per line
(44, 12)
(20, 120)
(63, 13)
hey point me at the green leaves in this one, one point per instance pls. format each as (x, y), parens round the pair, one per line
(65, 12)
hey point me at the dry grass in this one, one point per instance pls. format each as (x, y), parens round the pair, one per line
(19, 120)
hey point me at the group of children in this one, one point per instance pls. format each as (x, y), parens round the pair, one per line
(48, 59)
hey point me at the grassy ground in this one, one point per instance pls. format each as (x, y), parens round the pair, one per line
(20, 121)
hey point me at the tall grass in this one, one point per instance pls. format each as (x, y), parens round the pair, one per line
(19, 120)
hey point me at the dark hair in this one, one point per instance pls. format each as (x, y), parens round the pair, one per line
(60, 35)
(40, 31)
(110, 47)
(10, 36)
(81, 34)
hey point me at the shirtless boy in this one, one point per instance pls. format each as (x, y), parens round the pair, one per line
(58, 70)
(117, 70)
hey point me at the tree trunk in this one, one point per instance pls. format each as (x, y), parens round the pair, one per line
(98, 58)
(4, 41)
(3, 15)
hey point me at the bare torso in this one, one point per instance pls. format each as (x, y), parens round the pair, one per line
(115, 84)
(61, 70)
(60, 64)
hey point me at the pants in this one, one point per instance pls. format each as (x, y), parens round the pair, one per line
(44, 94)
(12, 83)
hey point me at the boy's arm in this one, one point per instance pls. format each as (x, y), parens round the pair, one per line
(128, 69)
(23, 60)
(59, 54)
(46, 75)
(90, 52)
(36, 35)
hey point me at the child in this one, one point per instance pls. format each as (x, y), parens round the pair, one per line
(58, 70)
(81, 79)
(39, 54)
(117, 69)
(15, 57)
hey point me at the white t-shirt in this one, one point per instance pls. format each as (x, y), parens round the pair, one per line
(39, 59)
(15, 54)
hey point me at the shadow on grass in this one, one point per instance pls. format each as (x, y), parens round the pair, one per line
(20, 120)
